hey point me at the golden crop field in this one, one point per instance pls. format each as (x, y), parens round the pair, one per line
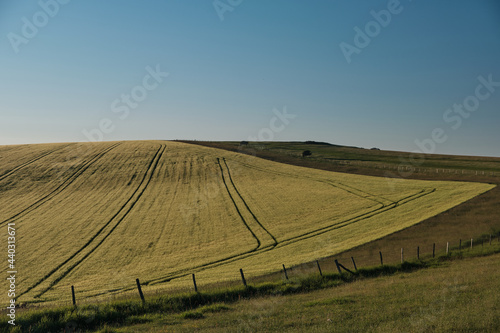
(99, 215)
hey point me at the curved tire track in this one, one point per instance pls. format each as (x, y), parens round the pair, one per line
(312, 233)
(359, 218)
(258, 250)
(286, 242)
(246, 205)
(237, 209)
(19, 167)
(239, 256)
(119, 216)
(349, 189)
(60, 188)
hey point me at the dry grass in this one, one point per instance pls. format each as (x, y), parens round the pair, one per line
(461, 297)
(471, 219)
(97, 216)
(431, 297)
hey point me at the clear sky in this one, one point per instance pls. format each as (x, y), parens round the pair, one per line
(405, 75)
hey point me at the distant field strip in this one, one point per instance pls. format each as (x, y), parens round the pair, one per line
(97, 216)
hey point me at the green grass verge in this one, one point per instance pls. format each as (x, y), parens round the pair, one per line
(194, 306)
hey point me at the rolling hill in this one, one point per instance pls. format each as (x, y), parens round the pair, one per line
(99, 215)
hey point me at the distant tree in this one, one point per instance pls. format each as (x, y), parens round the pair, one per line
(374, 148)
(306, 153)
(243, 143)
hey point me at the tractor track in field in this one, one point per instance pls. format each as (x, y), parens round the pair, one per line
(285, 242)
(228, 182)
(352, 190)
(349, 189)
(257, 249)
(19, 167)
(237, 209)
(61, 187)
(245, 222)
(246, 205)
(170, 204)
(361, 217)
(356, 192)
(188, 271)
(313, 233)
(119, 216)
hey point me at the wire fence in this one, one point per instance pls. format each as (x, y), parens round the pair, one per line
(335, 264)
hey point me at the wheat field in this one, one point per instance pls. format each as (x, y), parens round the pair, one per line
(99, 215)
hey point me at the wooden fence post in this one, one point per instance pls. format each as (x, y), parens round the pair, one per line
(140, 290)
(338, 267)
(319, 268)
(73, 295)
(447, 247)
(433, 250)
(418, 252)
(194, 282)
(471, 243)
(460, 245)
(490, 239)
(381, 260)
(243, 278)
(402, 255)
(354, 264)
(345, 268)
(284, 269)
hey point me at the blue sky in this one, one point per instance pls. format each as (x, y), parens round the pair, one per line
(65, 67)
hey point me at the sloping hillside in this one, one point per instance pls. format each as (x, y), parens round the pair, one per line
(100, 215)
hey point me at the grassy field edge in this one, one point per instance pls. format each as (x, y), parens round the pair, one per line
(193, 305)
